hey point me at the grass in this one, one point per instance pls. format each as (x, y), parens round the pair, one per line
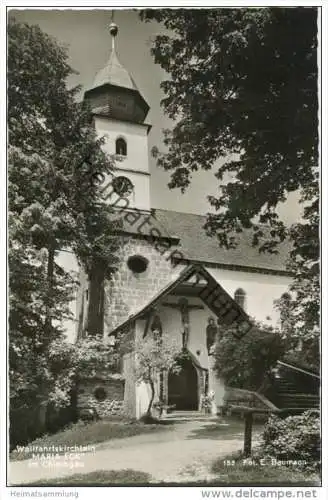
(98, 478)
(237, 470)
(82, 434)
(237, 475)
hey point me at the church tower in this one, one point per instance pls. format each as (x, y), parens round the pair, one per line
(119, 112)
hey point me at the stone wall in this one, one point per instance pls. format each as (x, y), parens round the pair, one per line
(113, 391)
(128, 292)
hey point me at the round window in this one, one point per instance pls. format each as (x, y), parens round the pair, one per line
(100, 394)
(137, 263)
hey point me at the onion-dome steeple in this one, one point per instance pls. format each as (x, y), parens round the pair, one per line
(114, 92)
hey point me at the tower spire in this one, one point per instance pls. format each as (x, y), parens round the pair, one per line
(107, 88)
(113, 30)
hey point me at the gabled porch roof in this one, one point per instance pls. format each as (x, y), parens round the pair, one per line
(198, 281)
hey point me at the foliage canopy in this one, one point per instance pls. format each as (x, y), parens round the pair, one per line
(53, 206)
(246, 362)
(242, 88)
(241, 81)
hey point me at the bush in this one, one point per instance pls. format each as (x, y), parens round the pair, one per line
(294, 438)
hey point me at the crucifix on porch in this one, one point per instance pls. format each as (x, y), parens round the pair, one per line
(184, 308)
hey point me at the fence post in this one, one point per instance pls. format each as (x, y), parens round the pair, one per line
(248, 433)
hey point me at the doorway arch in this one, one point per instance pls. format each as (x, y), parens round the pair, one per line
(183, 386)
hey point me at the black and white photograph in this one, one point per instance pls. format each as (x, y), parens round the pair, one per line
(164, 250)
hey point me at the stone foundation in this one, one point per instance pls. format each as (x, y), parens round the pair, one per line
(105, 395)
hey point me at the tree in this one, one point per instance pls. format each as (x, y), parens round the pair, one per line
(53, 205)
(242, 86)
(247, 362)
(153, 357)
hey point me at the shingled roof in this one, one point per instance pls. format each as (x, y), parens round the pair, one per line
(114, 74)
(188, 233)
(197, 246)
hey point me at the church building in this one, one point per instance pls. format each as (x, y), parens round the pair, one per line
(172, 277)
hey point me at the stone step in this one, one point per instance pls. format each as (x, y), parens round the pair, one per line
(299, 401)
(188, 415)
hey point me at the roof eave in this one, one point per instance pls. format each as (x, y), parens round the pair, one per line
(234, 267)
(105, 86)
(184, 275)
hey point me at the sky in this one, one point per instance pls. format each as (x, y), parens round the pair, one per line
(86, 36)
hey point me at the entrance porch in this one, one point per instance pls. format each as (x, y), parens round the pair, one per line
(189, 311)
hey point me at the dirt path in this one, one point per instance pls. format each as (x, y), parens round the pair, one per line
(184, 453)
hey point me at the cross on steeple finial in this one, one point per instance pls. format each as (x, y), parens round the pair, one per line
(113, 29)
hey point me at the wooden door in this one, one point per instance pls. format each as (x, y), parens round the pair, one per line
(183, 387)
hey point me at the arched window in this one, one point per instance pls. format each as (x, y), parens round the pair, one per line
(240, 297)
(121, 148)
